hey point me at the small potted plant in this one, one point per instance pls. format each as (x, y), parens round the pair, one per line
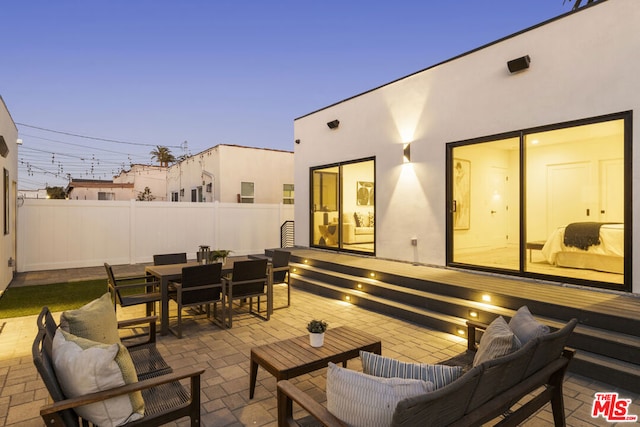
(219, 255)
(316, 330)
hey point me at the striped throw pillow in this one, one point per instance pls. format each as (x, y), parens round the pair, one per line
(380, 366)
(358, 399)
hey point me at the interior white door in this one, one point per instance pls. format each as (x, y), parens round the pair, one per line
(497, 226)
(569, 194)
(611, 190)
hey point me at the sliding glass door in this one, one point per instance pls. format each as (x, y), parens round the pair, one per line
(549, 202)
(343, 206)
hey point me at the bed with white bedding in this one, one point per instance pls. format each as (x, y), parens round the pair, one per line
(607, 256)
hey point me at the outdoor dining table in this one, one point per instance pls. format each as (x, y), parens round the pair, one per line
(173, 272)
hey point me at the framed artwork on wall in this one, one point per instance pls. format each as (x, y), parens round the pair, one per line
(364, 193)
(461, 194)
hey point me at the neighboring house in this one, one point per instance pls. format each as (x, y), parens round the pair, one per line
(128, 185)
(489, 160)
(233, 173)
(146, 176)
(98, 189)
(9, 179)
(40, 193)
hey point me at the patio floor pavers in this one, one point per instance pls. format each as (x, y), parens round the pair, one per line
(225, 355)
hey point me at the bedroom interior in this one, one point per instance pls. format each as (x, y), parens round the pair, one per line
(573, 183)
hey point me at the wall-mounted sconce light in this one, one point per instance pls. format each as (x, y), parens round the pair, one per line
(333, 124)
(406, 153)
(297, 141)
(519, 64)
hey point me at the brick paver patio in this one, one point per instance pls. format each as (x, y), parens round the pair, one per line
(225, 355)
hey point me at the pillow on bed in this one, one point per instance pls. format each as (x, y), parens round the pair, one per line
(358, 399)
(380, 366)
(498, 340)
(525, 327)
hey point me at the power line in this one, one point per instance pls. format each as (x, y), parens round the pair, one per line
(94, 137)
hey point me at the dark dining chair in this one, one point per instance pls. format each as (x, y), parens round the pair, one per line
(201, 285)
(281, 270)
(133, 290)
(165, 259)
(247, 281)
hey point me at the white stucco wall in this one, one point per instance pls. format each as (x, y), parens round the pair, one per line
(226, 167)
(583, 65)
(9, 133)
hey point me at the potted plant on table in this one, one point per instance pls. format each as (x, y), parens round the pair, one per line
(316, 330)
(219, 255)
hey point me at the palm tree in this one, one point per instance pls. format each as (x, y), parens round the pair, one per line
(163, 155)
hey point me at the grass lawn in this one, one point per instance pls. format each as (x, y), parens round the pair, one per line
(28, 300)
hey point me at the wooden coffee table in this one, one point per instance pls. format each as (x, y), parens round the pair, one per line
(290, 358)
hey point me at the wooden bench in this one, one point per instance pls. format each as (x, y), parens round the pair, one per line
(482, 394)
(164, 396)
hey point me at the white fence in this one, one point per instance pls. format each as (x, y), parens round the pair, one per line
(54, 234)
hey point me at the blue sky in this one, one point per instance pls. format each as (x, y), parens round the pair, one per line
(156, 72)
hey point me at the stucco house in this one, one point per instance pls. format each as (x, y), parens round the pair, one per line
(9, 167)
(233, 173)
(145, 176)
(515, 158)
(127, 185)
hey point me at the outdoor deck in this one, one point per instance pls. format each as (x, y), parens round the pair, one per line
(225, 355)
(607, 337)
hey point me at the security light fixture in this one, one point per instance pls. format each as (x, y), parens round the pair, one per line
(519, 64)
(333, 124)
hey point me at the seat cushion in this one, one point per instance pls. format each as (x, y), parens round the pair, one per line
(498, 340)
(525, 327)
(95, 321)
(83, 366)
(380, 366)
(364, 400)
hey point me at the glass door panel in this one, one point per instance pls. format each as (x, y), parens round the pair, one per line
(575, 202)
(485, 211)
(324, 218)
(358, 207)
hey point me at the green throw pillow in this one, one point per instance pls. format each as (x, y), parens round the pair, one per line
(95, 321)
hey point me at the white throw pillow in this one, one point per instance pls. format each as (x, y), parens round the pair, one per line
(498, 340)
(380, 366)
(358, 399)
(95, 368)
(525, 326)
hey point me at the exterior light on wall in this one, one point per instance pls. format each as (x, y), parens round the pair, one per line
(372, 274)
(473, 314)
(359, 285)
(333, 124)
(347, 298)
(406, 153)
(519, 64)
(460, 331)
